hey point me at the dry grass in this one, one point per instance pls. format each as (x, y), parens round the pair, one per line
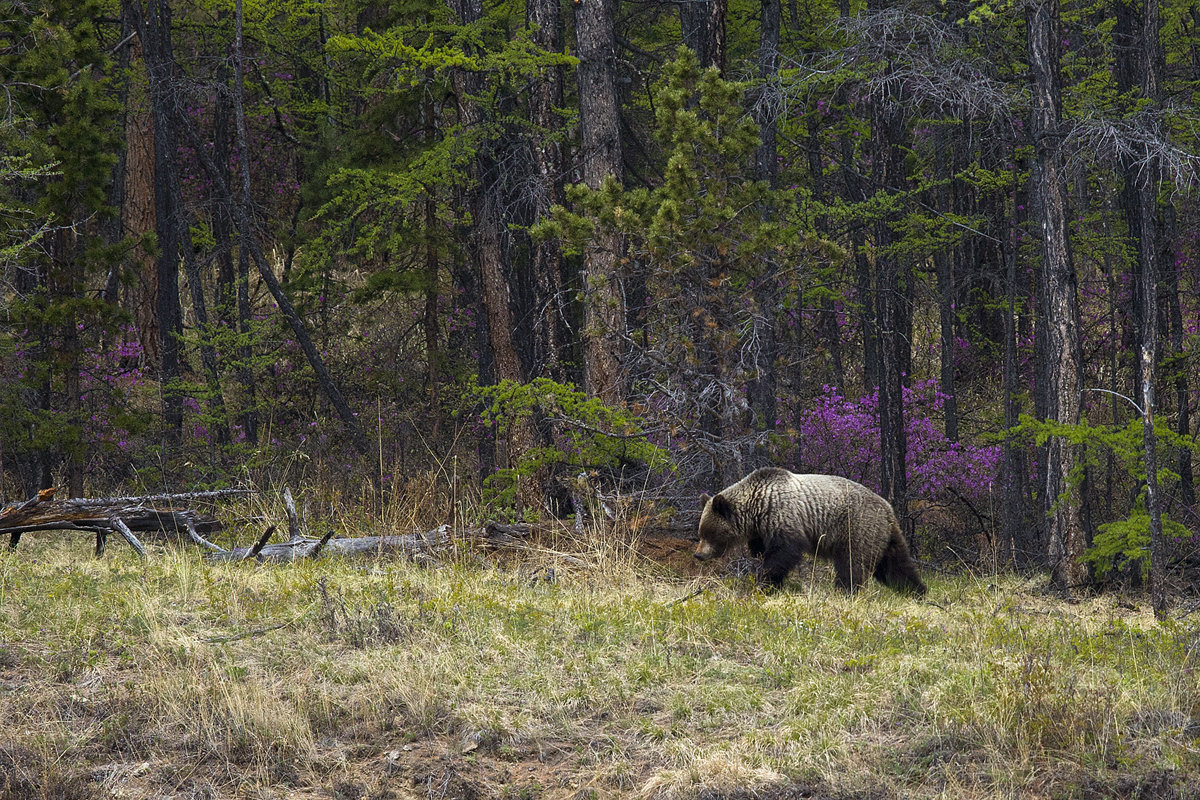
(571, 670)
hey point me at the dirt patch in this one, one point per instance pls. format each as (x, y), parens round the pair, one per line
(444, 778)
(672, 552)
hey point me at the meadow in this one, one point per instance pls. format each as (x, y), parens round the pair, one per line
(578, 667)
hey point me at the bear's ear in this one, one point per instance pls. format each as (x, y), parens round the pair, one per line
(704, 498)
(722, 506)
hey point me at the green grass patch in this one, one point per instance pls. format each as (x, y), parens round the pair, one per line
(234, 676)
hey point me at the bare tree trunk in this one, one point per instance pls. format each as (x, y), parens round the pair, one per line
(1187, 490)
(862, 267)
(487, 227)
(324, 379)
(67, 255)
(600, 145)
(486, 222)
(161, 64)
(137, 208)
(232, 291)
(1062, 356)
(945, 286)
(949, 268)
(703, 26)
(1014, 473)
(545, 18)
(432, 280)
(888, 133)
(157, 42)
(1147, 179)
(762, 387)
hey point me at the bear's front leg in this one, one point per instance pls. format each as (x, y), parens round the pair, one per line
(778, 561)
(755, 545)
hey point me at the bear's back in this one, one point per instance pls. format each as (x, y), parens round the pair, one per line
(811, 504)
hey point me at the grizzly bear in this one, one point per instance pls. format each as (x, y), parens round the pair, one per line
(781, 516)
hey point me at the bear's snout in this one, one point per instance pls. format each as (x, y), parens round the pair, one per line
(704, 551)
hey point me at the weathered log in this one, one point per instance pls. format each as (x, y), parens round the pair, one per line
(411, 544)
(125, 515)
(499, 534)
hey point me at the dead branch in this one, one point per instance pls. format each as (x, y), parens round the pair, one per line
(266, 537)
(123, 529)
(321, 544)
(289, 505)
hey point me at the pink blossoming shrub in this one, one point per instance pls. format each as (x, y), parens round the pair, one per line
(841, 436)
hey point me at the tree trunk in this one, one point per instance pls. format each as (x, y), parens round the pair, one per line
(544, 17)
(248, 241)
(893, 319)
(161, 63)
(945, 287)
(1062, 354)
(157, 43)
(1148, 252)
(1170, 271)
(600, 149)
(703, 26)
(232, 291)
(67, 256)
(137, 208)
(762, 387)
(1015, 521)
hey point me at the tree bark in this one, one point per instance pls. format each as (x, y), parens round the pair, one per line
(157, 42)
(600, 149)
(1183, 426)
(888, 136)
(763, 386)
(160, 61)
(486, 203)
(544, 17)
(945, 286)
(1059, 319)
(1147, 180)
(703, 26)
(1013, 475)
(232, 291)
(137, 208)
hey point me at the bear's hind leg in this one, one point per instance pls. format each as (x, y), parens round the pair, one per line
(778, 561)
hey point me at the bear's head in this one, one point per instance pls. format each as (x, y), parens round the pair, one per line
(717, 531)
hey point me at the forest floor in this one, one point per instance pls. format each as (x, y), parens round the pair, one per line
(588, 669)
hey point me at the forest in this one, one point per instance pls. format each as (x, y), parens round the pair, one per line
(458, 307)
(618, 249)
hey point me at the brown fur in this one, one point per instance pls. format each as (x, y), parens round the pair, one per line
(782, 516)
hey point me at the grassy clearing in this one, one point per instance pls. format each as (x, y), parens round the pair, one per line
(546, 676)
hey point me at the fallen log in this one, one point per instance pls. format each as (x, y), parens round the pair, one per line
(126, 516)
(494, 535)
(410, 545)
